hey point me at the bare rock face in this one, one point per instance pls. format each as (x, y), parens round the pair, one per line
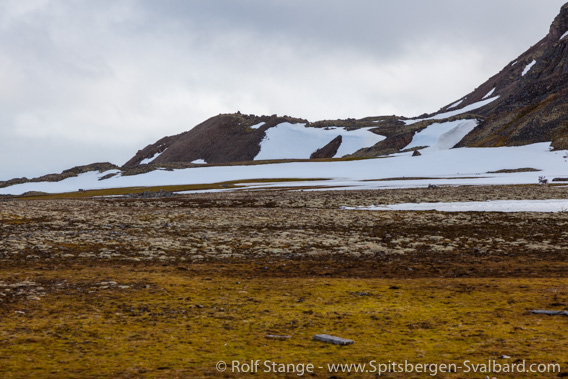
(329, 150)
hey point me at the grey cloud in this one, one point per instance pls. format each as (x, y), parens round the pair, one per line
(378, 26)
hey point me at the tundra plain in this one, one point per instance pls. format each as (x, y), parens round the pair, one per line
(168, 287)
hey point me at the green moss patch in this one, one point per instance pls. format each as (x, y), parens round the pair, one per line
(163, 322)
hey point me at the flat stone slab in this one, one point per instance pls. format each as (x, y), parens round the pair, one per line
(550, 313)
(332, 339)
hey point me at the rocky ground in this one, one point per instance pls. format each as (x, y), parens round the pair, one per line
(146, 260)
(293, 226)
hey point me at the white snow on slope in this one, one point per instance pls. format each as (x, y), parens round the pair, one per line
(488, 94)
(553, 205)
(199, 161)
(442, 136)
(564, 35)
(296, 141)
(149, 160)
(455, 104)
(258, 125)
(466, 166)
(465, 109)
(528, 68)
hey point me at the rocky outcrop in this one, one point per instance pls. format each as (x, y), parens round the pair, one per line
(329, 150)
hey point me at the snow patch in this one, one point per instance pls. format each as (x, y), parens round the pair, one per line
(258, 125)
(149, 160)
(514, 63)
(465, 109)
(455, 104)
(563, 35)
(199, 161)
(528, 68)
(488, 94)
(442, 136)
(296, 141)
(553, 205)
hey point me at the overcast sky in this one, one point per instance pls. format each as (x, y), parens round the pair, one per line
(84, 81)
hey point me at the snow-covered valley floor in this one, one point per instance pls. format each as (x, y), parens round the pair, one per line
(464, 166)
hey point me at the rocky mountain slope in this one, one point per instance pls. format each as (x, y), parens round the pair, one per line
(527, 102)
(533, 96)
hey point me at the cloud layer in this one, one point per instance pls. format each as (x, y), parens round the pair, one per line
(85, 81)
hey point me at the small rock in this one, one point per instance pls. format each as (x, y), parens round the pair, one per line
(332, 339)
(505, 356)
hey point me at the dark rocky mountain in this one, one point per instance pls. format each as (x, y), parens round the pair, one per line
(530, 105)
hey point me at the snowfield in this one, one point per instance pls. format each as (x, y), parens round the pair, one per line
(296, 141)
(442, 136)
(464, 166)
(456, 112)
(554, 205)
